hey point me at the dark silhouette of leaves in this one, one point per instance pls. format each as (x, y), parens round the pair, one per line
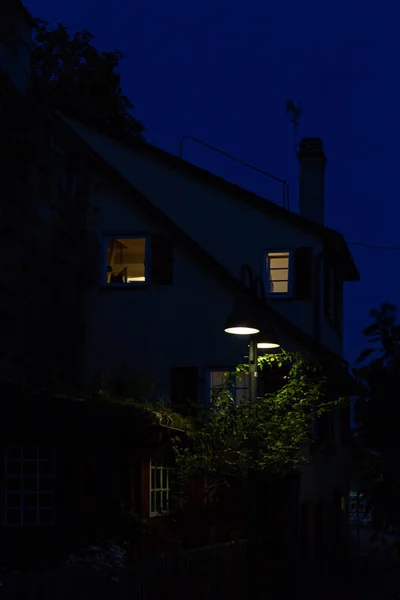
(70, 74)
(364, 354)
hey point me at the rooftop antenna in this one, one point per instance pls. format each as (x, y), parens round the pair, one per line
(294, 113)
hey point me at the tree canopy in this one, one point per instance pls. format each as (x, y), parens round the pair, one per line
(376, 442)
(279, 424)
(377, 409)
(70, 74)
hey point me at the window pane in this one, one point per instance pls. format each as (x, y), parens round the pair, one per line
(279, 275)
(13, 500)
(217, 378)
(279, 263)
(29, 467)
(29, 500)
(153, 502)
(13, 467)
(278, 254)
(158, 501)
(279, 287)
(164, 502)
(29, 484)
(30, 517)
(153, 478)
(13, 517)
(126, 260)
(13, 484)
(158, 478)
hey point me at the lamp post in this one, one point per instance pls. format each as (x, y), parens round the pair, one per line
(248, 318)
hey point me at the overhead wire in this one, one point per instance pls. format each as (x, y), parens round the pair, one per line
(373, 246)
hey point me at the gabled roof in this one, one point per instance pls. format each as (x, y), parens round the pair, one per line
(196, 249)
(335, 244)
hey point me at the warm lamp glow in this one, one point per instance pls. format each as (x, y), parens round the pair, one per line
(267, 345)
(242, 330)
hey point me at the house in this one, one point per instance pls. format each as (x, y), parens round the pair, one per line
(164, 281)
(150, 249)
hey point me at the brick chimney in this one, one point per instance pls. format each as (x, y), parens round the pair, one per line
(312, 179)
(15, 42)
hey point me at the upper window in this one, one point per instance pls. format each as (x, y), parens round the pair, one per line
(126, 261)
(278, 269)
(159, 488)
(239, 389)
(29, 486)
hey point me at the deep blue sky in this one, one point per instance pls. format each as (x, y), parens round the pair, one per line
(222, 72)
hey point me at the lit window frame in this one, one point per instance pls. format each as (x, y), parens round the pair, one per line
(21, 494)
(235, 389)
(165, 471)
(266, 272)
(126, 236)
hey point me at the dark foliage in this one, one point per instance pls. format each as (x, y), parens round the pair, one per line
(70, 74)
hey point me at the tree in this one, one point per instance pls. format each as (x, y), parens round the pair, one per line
(70, 74)
(377, 411)
(222, 440)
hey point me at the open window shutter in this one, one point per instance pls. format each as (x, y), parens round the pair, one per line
(162, 260)
(183, 385)
(303, 274)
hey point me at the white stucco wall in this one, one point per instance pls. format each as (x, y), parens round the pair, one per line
(153, 329)
(226, 227)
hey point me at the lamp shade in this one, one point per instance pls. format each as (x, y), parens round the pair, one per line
(241, 323)
(267, 338)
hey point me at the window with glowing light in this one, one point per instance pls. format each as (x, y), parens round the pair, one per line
(126, 261)
(278, 269)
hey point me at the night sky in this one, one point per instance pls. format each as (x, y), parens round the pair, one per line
(222, 72)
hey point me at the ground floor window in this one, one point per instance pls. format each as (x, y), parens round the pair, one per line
(159, 488)
(217, 379)
(29, 486)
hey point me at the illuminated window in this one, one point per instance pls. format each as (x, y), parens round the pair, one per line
(29, 486)
(159, 488)
(278, 272)
(239, 389)
(126, 261)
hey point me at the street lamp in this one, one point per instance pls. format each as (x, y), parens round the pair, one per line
(248, 318)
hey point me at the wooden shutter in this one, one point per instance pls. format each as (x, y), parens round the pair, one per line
(303, 274)
(162, 260)
(183, 385)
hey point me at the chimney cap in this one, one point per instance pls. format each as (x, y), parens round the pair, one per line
(311, 147)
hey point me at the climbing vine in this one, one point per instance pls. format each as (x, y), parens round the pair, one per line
(279, 425)
(218, 441)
